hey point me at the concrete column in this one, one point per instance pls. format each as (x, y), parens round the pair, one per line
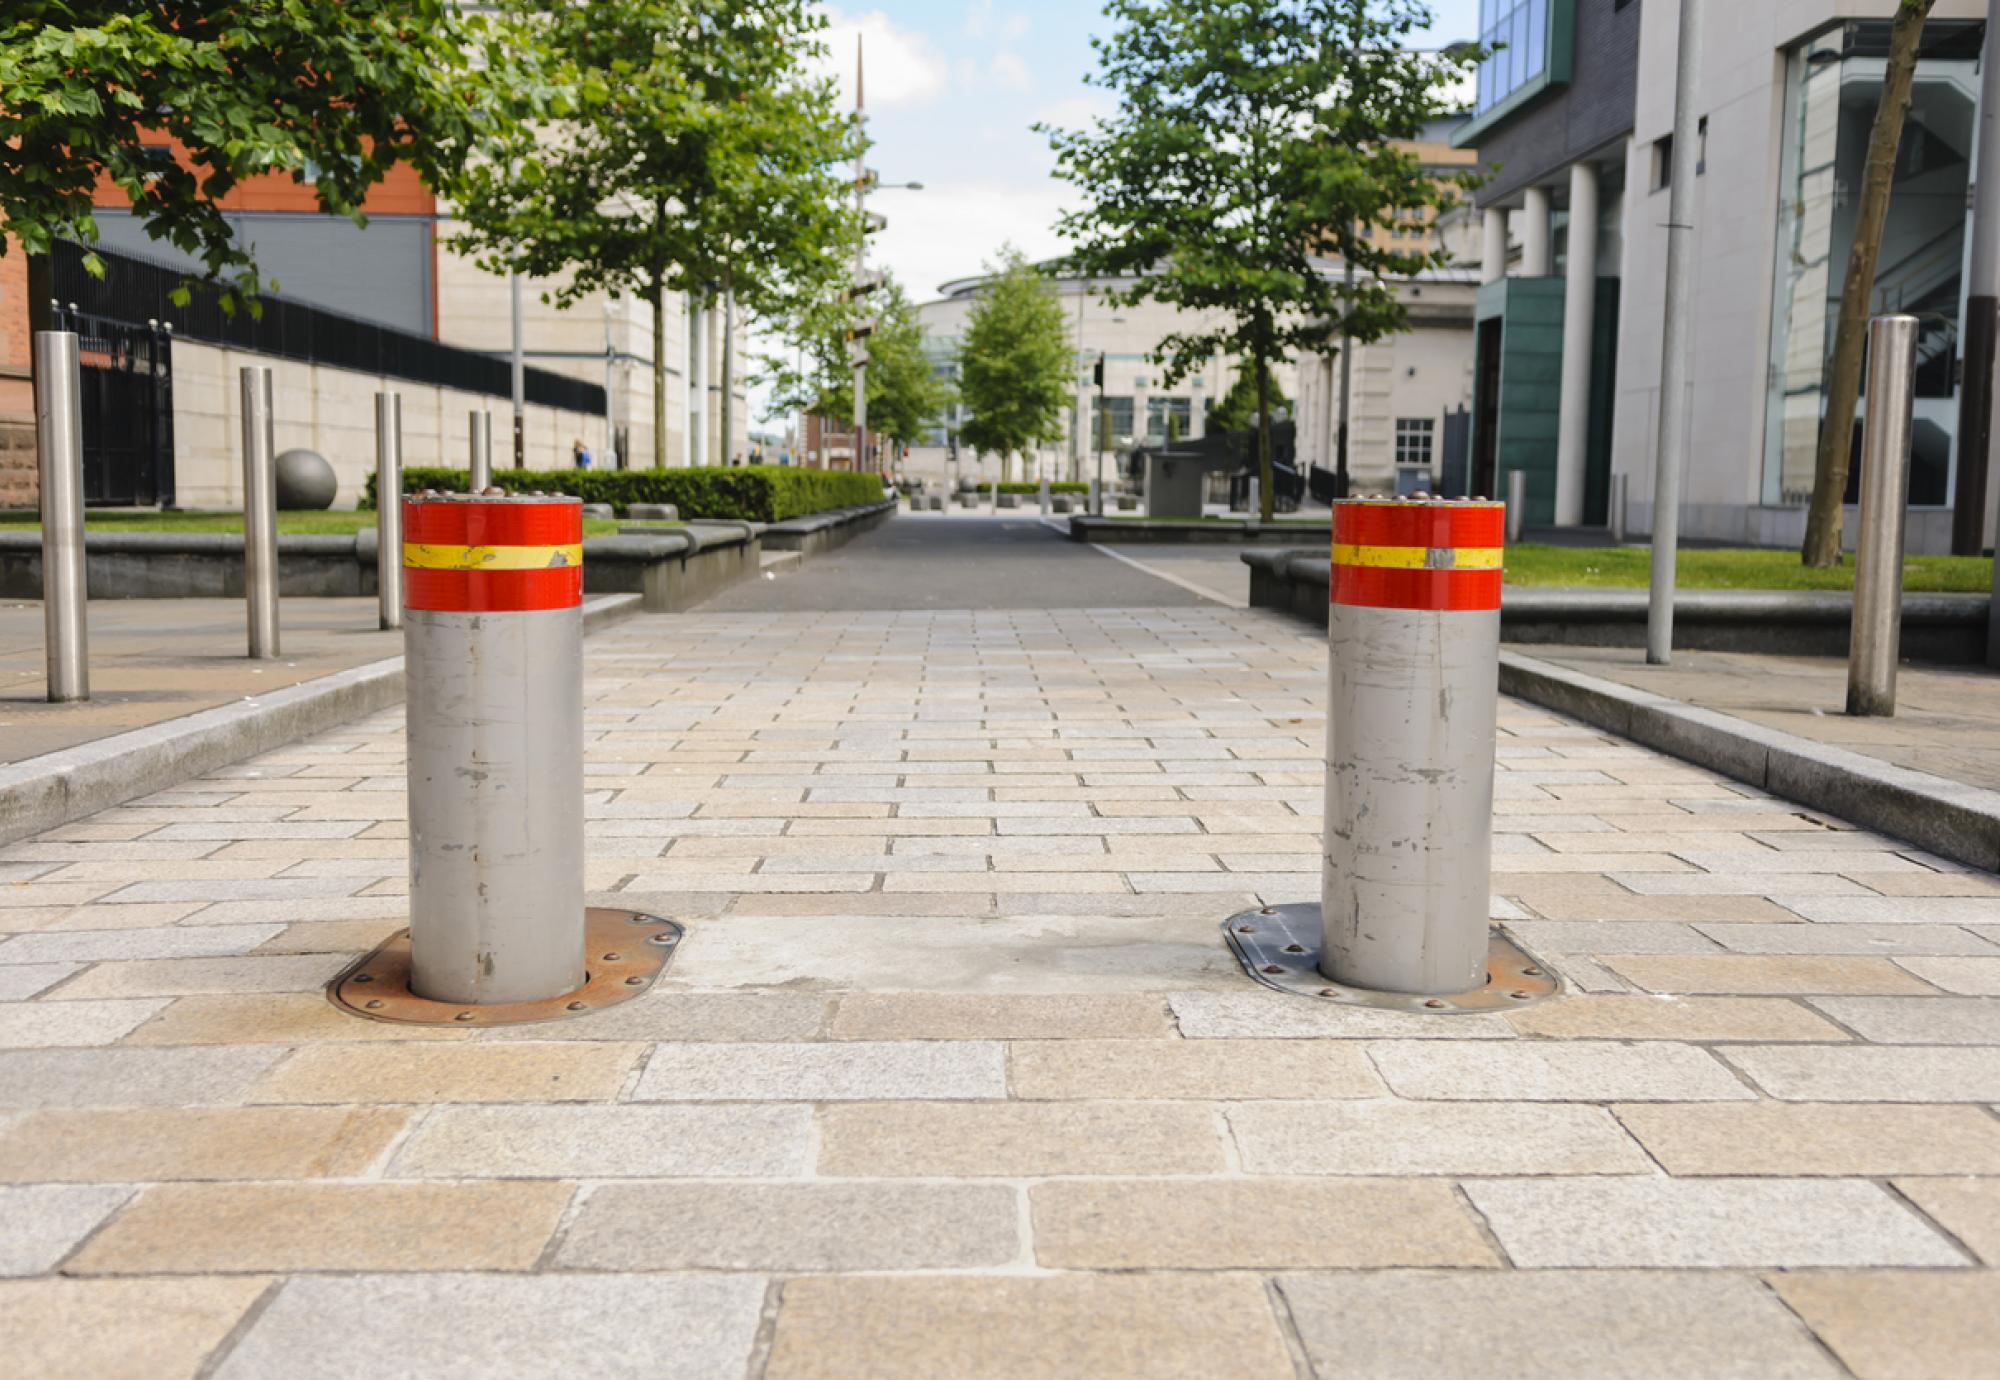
(1535, 233)
(1579, 318)
(1493, 255)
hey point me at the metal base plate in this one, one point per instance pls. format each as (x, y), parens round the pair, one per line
(627, 950)
(1279, 946)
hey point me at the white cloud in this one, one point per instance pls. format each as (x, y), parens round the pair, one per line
(1010, 73)
(1076, 112)
(951, 230)
(982, 23)
(901, 67)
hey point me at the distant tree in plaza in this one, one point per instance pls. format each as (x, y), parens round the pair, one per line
(905, 395)
(1014, 362)
(1236, 409)
(176, 102)
(1253, 138)
(701, 155)
(1850, 333)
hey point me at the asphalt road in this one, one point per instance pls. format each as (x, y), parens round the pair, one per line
(926, 562)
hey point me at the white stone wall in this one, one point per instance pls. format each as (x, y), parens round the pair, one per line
(332, 411)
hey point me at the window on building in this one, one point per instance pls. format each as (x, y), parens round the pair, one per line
(1413, 440)
(1121, 413)
(1517, 32)
(1159, 409)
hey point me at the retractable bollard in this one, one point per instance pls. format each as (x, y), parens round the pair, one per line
(1615, 509)
(1875, 640)
(1517, 505)
(65, 586)
(493, 663)
(1413, 651)
(1042, 491)
(493, 658)
(1413, 642)
(479, 443)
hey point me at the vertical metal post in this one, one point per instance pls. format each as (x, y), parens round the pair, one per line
(1876, 638)
(1042, 492)
(728, 427)
(260, 513)
(1676, 340)
(389, 507)
(697, 429)
(1614, 515)
(493, 660)
(1413, 693)
(518, 374)
(479, 446)
(1342, 481)
(1517, 505)
(65, 586)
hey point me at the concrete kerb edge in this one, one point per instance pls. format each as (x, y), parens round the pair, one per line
(1956, 821)
(46, 792)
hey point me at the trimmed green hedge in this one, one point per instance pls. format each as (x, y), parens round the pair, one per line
(753, 493)
(1056, 486)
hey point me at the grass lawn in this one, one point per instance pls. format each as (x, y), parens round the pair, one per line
(1728, 568)
(333, 523)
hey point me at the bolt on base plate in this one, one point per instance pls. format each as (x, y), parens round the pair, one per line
(1279, 946)
(627, 950)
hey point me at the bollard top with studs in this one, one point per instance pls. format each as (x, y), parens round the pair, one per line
(491, 495)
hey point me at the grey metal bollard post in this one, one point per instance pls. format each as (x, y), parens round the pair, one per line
(1876, 639)
(1096, 499)
(493, 656)
(1413, 641)
(260, 513)
(65, 584)
(1517, 505)
(480, 460)
(1042, 491)
(389, 507)
(1614, 509)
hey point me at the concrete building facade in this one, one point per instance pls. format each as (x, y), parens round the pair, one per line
(1576, 119)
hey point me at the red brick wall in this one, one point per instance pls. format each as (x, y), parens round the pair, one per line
(19, 486)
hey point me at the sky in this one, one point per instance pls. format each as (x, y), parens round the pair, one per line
(953, 89)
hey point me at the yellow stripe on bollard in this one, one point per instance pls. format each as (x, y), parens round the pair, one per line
(423, 556)
(1419, 557)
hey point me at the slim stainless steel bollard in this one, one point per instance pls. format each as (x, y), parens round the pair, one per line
(389, 507)
(1096, 499)
(1614, 509)
(65, 585)
(260, 513)
(1876, 639)
(480, 461)
(1517, 505)
(1413, 642)
(1042, 491)
(493, 656)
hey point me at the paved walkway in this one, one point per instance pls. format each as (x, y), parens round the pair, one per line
(157, 659)
(954, 1076)
(1947, 719)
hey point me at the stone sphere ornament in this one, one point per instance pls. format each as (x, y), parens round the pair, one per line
(305, 481)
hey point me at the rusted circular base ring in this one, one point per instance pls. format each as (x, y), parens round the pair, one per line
(626, 950)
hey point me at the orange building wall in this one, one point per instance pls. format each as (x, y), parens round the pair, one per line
(400, 193)
(18, 483)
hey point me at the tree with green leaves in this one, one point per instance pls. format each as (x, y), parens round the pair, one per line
(1014, 362)
(905, 395)
(98, 88)
(1236, 409)
(1252, 138)
(701, 156)
(1824, 515)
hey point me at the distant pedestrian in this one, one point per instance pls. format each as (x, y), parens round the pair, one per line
(582, 454)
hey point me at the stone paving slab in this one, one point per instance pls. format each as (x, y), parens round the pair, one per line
(954, 1074)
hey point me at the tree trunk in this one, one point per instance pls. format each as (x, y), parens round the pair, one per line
(1265, 498)
(659, 372)
(1836, 432)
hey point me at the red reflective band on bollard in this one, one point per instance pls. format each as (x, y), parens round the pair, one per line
(1424, 555)
(492, 555)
